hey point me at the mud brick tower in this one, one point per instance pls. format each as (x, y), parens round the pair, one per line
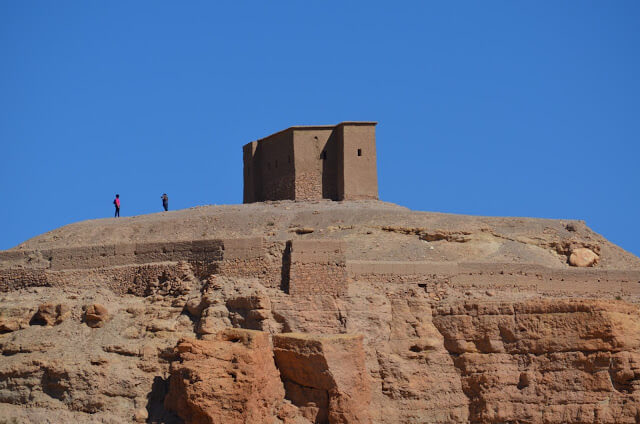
(313, 162)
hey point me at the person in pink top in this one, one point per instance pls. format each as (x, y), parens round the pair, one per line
(116, 202)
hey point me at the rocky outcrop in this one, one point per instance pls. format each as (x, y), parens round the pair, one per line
(546, 361)
(50, 314)
(95, 315)
(418, 381)
(583, 257)
(13, 318)
(325, 376)
(232, 379)
(536, 361)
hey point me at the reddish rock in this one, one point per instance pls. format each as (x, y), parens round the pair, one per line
(14, 318)
(546, 361)
(232, 379)
(50, 314)
(96, 315)
(325, 376)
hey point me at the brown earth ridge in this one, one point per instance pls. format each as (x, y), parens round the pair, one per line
(319, 312)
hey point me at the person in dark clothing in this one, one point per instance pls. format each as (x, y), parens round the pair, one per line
(165, 201)
(116, 202)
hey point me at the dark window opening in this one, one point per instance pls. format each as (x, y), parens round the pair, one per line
(323, 156)
(359, 152)
(268, 165)
(289, 158)
(276, 164)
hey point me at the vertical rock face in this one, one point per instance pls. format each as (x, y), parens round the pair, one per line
(234, 379)
(231, 379)
(419, 382)
(546, 361)
(325, 376)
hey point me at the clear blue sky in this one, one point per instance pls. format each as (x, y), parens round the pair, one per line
(487, 108)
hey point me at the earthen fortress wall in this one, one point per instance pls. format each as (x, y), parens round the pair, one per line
(298, 267)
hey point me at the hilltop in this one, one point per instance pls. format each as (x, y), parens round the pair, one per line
(372, 229)
(352, 312)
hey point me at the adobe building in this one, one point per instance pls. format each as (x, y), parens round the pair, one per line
(313, 162)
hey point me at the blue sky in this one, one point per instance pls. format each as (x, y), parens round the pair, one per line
(488, 108)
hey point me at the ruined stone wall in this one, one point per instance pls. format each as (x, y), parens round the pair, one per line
(114, 255)
(14, 279)
(120, 264)
(133, 279)
(250, 258)
(125, 268)
(312, 267)
(497, 275)
(317, 267)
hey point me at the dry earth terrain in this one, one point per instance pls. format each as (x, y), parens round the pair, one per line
(319, 312)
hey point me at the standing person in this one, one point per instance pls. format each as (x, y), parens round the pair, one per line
(165, 201)
(116, 202)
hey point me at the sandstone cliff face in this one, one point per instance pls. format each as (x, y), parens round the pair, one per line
(267, 330)
(231, 379)
(546, 361)
(325, 376)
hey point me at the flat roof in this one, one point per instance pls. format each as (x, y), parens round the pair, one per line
(318, 127)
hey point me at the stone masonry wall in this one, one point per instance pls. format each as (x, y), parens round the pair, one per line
(87, 257)
(308, 186)
(277, 188)
(249, 258)
(497, 275)
(317, 267)
(122, 264)
(14, 279)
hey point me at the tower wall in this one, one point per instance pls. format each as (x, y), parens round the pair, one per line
(312, 163)
(357, 175)
(269, 172)
(313, 156)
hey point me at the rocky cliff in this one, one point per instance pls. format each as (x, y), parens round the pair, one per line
(327, 312)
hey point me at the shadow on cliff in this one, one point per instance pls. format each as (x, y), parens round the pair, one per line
(158, 414)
